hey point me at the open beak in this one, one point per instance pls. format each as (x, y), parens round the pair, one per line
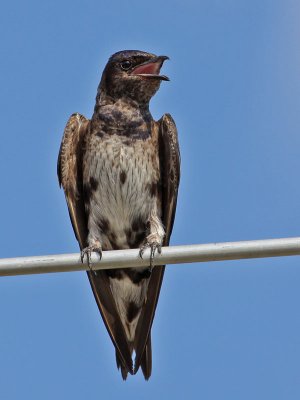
(150, 69)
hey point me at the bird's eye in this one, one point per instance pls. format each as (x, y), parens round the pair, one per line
(125, 65)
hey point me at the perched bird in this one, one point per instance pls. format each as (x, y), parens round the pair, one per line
(120, 174)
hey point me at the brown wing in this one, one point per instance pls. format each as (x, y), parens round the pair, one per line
(69, 170)
(170, 169)
(170, 172)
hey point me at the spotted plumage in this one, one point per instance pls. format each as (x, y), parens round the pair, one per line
(120, 174)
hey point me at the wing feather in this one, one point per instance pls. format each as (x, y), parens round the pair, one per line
(69, 171)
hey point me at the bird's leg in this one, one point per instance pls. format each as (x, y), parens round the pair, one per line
(94, 241)
(154, 238)
(94, 246)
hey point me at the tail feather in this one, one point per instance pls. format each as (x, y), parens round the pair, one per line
(124, 370)
(146, 361)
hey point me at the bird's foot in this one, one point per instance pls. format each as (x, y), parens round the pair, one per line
(87, 251)
(153, 245)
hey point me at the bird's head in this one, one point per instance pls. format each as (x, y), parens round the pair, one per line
(133, 74)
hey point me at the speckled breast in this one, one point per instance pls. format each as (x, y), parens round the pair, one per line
(121, 186)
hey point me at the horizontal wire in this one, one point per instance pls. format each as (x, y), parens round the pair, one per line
(170, 255)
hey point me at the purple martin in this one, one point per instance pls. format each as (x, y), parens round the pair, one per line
(120, 174)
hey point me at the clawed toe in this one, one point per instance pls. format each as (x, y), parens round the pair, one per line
(153, 247)
(87, 251)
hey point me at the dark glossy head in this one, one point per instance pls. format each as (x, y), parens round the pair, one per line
(133, 74)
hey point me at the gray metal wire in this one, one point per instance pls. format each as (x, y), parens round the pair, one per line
(170, 255)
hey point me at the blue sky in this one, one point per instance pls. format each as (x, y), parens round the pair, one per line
(227, 330)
